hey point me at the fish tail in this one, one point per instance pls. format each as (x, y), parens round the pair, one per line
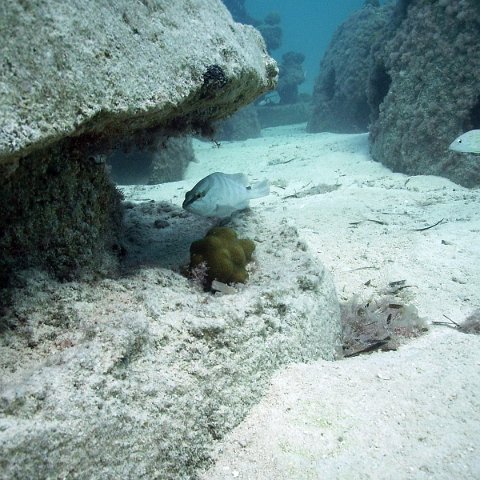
(260, 189)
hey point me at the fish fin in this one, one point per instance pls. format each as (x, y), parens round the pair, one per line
(240, 178)
(260, 189)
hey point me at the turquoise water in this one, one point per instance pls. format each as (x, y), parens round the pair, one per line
(307, 27)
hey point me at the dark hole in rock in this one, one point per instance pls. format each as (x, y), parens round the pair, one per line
(379, 86)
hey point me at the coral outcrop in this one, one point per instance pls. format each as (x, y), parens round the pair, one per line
(60, 211)
(340, 94)
(433, 64)
(80, 78)
(221, 256)
(290, 77)
(271, 30)
(408, 72)
(124, 67)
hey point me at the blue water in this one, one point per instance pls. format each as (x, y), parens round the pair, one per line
(307, 25)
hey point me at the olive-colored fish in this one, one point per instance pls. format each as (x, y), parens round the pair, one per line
(468, 142)
(221, 194)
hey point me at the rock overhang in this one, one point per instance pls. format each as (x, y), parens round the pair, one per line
(79, 80)
(108, 69)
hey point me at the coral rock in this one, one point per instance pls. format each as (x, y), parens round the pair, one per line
(223, 254)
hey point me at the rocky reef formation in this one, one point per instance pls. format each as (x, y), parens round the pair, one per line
(165, 160)
(77, 80)
(240, 126)
(340, 94)
(276, 115)
(60, 211)
(427, 86)
(134, 375)
(409, 72)
(271, 30)
(291, 75)
(285, 106)
(137, 377)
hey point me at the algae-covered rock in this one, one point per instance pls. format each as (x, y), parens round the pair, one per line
(59, 211)
(340, 95)
(292, 74)
(408, 72)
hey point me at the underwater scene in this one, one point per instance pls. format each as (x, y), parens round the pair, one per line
(239, 239)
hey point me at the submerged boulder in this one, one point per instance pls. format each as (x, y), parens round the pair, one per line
(165, 160)
(80, 78)
(73, 68)
(433, 90)
(408, 72)
(340, 101)
(291, 75)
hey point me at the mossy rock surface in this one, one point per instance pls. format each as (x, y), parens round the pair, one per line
(61, 212)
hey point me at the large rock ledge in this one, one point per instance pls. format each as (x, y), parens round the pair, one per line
(137, 377)
(111, 67)
(81, 79)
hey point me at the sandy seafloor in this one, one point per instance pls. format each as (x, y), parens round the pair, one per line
(412, 413)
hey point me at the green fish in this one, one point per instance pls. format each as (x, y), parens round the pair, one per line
(468, 142)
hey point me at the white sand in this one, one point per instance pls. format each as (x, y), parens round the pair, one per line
(409, 414)
(412, 413)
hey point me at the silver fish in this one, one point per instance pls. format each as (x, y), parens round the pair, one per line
(468, 142)
(221, 194)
